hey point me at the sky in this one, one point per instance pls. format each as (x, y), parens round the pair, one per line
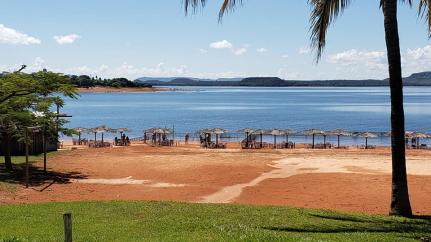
(136, 38)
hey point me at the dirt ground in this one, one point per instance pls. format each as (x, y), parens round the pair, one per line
(347, 180)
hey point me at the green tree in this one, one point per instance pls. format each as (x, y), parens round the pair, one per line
(323, 13)
(26, 100)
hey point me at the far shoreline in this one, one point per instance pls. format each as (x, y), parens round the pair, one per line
(122, 89)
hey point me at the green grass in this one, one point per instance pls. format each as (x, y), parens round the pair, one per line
(18, 160)
(167, 221)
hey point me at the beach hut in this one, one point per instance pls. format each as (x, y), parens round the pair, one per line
(339, 133)
(313, 133)
(367, 135)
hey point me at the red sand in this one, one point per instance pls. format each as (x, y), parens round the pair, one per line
(191, 174)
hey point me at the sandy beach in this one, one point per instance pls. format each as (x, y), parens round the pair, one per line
(347, 180)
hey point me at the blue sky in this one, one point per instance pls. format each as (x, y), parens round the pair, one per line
(134, 38)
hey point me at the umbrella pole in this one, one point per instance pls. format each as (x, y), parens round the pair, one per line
(338, 141)
(261, 140)
(102, 139)
(366, 142)
(312, 146)
(216, 139)
(79, 138)
(275, 141)
(324, 141)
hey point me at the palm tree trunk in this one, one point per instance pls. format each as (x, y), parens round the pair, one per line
(400, 203)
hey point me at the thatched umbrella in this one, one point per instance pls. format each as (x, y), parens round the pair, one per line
(120, 130)
(288, 132)
(247, 132)
(367, 135)
(261, 132)
(418, 136)
(338, 133)
(100, 129)
(80, 130)
(218, 132)
(275, 133)
(315, 132)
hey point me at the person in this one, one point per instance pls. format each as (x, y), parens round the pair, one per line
(187, 138)
(127, 141)
(116, 141)
(145, 137)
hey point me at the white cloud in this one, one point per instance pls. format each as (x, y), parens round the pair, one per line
(240, 51)
(285, 56)
(223, 44)
(66, 39)
(353, 57)
(203, 51)
(11, 36)
(304, 50)
(261, 50)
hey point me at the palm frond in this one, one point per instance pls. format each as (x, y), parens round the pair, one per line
(323, 13)
(228, 5)
(193, 4)
(425, 12)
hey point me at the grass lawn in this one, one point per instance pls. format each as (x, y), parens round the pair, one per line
(168, 221)
(18, 160)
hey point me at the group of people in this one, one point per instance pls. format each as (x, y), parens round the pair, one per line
(123, 141)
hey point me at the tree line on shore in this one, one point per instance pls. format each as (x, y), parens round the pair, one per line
(85, 81)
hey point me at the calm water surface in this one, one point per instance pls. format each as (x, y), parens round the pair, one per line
(233, 108)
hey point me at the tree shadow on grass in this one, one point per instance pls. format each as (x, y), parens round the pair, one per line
(344, 223)
(37, 177)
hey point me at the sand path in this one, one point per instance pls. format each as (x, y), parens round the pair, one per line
(288, 167)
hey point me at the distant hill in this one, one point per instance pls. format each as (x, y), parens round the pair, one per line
(416, 79)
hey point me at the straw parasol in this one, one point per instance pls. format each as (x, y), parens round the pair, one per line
(80, 130)
(338, 133)
(261, 132)
(288, 132)
(217, 132)
(100, 129)
(315, 132)
(367, 135)
(418, 136)
(275, 133)
(247, 132)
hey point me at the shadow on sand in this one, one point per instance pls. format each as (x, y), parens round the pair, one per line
(37, 177)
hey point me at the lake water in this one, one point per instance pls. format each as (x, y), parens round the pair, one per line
(233, 108)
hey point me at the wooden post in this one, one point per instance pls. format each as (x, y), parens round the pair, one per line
(26, 157)
(44, 149)
(67, 217)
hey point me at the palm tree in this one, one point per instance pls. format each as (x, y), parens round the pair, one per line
(324, 12)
